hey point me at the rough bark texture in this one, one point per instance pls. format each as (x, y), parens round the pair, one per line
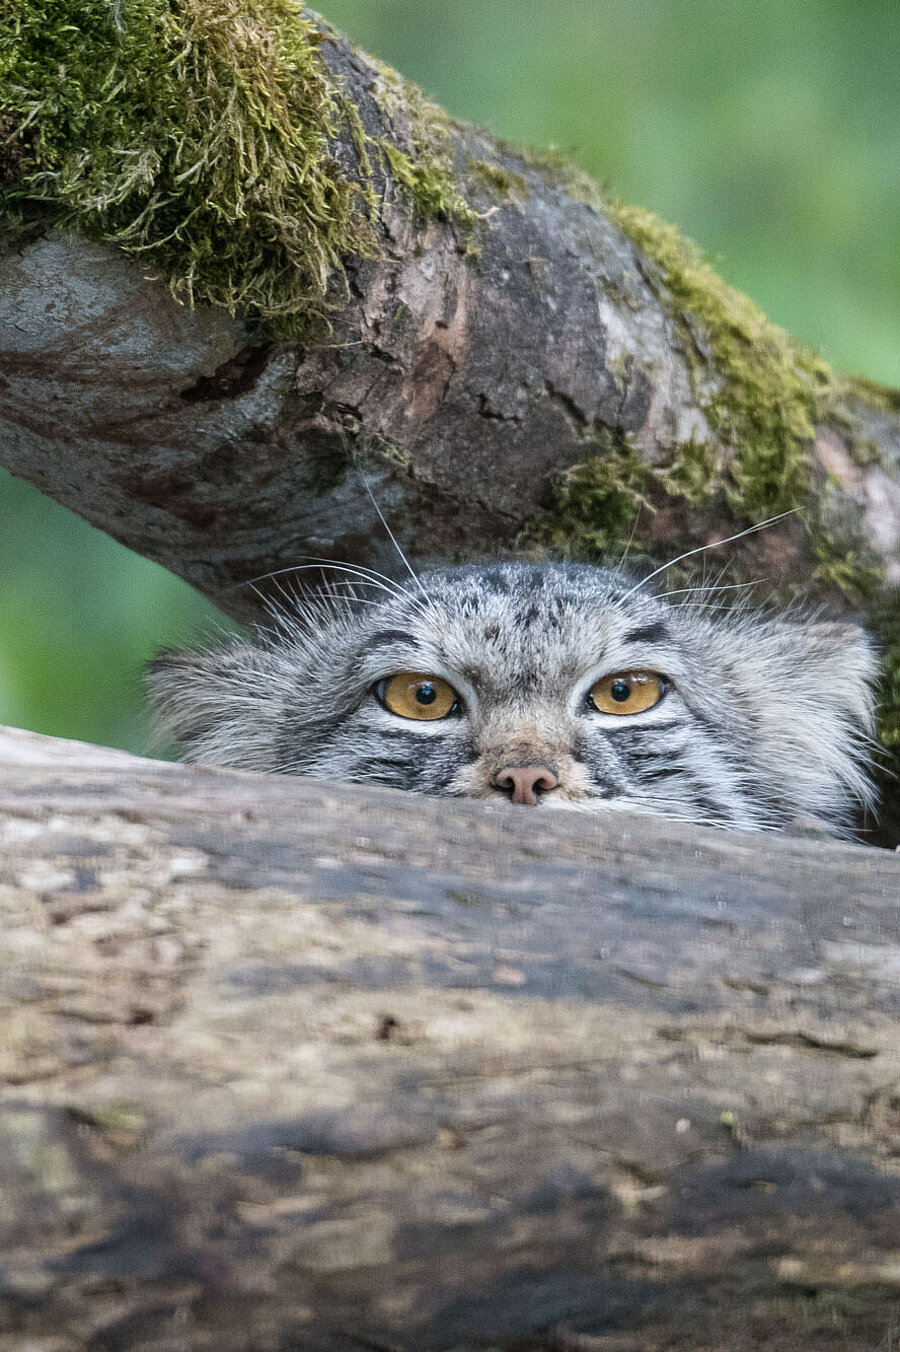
(470, 365)
(289, 1065)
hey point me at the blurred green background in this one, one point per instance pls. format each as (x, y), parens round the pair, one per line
(769, 131)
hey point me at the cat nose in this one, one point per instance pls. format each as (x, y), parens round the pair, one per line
(524, 782)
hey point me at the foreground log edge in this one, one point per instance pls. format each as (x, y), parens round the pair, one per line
(296, 1065)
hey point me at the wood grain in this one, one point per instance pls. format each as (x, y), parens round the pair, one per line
(292, 1065)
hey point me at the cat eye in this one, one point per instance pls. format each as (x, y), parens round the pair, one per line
(413, 694)
(628, 692)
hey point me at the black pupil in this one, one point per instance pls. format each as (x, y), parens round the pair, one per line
(425, 693)
(620, 691)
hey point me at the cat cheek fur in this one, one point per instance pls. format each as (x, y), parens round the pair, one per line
(811, 688)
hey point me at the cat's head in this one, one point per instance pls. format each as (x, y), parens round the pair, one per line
(559, 685)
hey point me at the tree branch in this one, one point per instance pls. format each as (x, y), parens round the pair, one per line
(509, 357)
(497, 322)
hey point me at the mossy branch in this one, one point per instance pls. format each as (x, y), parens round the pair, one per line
(193, 136)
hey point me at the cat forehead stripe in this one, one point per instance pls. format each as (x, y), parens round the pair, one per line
(388, 638)
(655, 632)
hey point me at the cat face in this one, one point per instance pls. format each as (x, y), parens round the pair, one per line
(554, 685)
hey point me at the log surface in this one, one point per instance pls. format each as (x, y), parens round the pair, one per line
(294, 1065)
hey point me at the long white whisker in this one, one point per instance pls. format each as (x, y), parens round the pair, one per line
(313, 560)
(705, 590)
(394, 541)
(630, 542)
(362, 580)
(367, 576)
(701, 549)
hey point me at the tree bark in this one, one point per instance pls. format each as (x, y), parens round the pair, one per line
(471, 363)
(288, 1064)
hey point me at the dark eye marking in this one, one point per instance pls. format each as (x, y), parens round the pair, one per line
(630, 733)
(649, 773)
(407, 737)
(318, 727)
(387, 638)
(383, 763)
(648, 633)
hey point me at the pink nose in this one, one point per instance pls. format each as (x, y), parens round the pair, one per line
(524, 782)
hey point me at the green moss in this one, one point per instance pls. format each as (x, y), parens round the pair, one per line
(361, 144)
(865, 453)
(596, 501)
(692, 474)
(496, 180)
(194, 134)
(430, 184)
(425, 167)
(844, 561)
(771, 390)
(389, 451)
(873, 392)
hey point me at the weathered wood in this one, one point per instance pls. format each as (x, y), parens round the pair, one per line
(294, 1065)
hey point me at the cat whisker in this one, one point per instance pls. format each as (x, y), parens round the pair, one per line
(630, 540)
(393, 539)
(702, 589)
(701, 549)
(366, 577)
(314, 560)
(350, 597)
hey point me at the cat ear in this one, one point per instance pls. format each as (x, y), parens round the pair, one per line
(813, 688)
(840, 665)
(201, 700)
(183, 696)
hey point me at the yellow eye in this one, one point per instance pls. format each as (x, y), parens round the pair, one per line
(412, 694)
(628, 692)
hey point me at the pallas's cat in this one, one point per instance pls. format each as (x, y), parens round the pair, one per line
(553, 685)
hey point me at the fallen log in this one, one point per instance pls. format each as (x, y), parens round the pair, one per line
(298, 1065)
